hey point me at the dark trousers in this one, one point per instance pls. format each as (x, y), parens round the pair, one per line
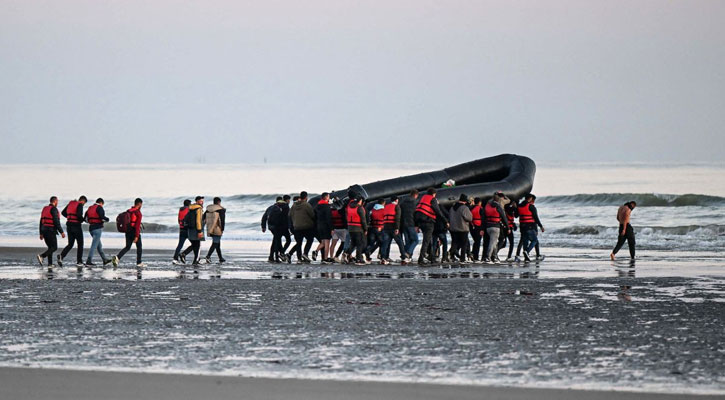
(425, 246)
(459, 245)
(75, 235)
(476, 235)
(357, 242)
(442, 238)
(521, 242)
(196, 247)
(277, 248)
(529, 239)
(52, 242)
(216, 245)
(130, 236)
(183, 236)
(300, 235)
(375, 240)
(510, 238)
(628, 236)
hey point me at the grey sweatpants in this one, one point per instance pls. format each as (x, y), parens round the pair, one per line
(493, 233)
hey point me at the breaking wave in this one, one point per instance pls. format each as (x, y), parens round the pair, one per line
(642, 199)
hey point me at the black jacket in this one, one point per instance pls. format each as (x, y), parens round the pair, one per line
(323, 216)
(407, 212)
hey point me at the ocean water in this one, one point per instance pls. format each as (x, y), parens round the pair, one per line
(681, 206)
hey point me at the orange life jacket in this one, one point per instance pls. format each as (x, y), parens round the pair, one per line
(424, 206)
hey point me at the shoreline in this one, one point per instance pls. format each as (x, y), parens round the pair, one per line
(54, 383)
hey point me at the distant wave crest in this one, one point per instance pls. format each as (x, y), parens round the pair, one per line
(642, 199)
(688, 230)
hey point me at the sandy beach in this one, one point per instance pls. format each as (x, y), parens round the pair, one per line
(42, 384)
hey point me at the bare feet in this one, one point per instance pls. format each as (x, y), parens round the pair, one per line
(611, 256)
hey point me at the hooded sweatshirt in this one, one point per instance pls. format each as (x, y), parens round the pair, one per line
(197, 222)
(215, 218)
(302, 216)
(460, 217)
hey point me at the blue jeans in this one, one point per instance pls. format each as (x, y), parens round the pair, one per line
(388, 237)
(529, 239)
(410, 237)
(96, 244)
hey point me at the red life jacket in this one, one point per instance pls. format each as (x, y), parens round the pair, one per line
(476, 211)
(491, 213)
(353, 218)
(389, 218)
(424, 206)
(134, 219)
(72, 212)
(92, 215)
(510, 218)
(182, 215)
(337, 221)
(377, 217)
(46, 218)
(525, 215)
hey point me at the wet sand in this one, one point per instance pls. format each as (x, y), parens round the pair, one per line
(46, 384)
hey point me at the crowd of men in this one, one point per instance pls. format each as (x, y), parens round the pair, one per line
(351, 231)
(192, 220)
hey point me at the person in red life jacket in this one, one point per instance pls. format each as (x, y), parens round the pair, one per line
(512, 212)
(477, 226)
(325, 228)
(528, 222)
(427, 212)
(49, 228)
(391, 231)
(183, 236)
(357, 229)
(133, 235)
(375, 233)
(73, 212)
(96, 216)
(339, 234)
(495, 222)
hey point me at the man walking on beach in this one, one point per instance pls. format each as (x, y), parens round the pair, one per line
(391, 231)
(215, 218)
(303, 221)
(626, 232)
(73, 212)
(460, 219)
(528, 223)
(49, 228)
(96, 216)
(133, 234)
(357, 229)
(183, 234)
(426, 214)
(270, 220)
(494, 218)
(407, 223)
(195, 224)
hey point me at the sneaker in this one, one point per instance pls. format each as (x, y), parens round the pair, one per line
(176, 262)
(360, 262)
(40, 259)
(517, 259)
(106, 261)
(314, 255)
(423, 261)
(208, 260)
(182, 258)
(115, 260)
(486, 261)
(283, 257)
(59, 260)
(289, 258)
(306, 259)
(271, 259)
(526, 256)
(384, 262)
(89, 264)
(336, 260)
(540, 257)
(496, 261)
(508, 260)
(324, 262)
(140, 265)
(300, 261)
(222, 260)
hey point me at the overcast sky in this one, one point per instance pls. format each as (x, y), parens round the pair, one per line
(298, 81)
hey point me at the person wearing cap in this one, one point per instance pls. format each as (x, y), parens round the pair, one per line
(460, 220)
(195, 226)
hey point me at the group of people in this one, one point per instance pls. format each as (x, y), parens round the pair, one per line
(354, 226)
(341, 228)
(192, 221)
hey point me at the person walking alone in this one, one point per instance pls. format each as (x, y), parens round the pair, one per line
(626, 232)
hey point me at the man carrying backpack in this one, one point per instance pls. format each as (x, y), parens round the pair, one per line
(129, 222)
(182, 232)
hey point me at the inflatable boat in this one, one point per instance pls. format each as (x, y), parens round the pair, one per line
(510, 173)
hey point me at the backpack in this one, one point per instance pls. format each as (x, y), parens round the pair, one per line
(274, 219)
(123, 221)
(190, 219)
